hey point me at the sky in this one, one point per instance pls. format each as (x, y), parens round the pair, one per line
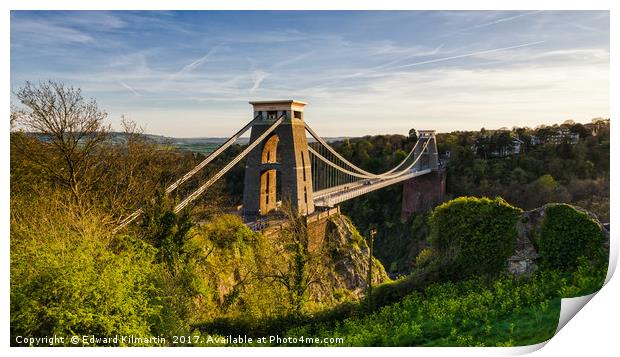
(192, 73)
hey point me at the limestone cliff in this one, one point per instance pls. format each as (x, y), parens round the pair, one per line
(347, 259)
(337, 259)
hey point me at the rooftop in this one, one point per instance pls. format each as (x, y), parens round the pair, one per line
(283, 101)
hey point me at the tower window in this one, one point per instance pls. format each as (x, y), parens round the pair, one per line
(297, 114)
(272, 114)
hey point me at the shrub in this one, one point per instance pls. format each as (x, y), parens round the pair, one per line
(567, 234)
(473, 236)
(424, 258)
(227, 231)
(230, 270)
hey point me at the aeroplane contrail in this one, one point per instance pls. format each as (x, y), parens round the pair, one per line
(467, 55)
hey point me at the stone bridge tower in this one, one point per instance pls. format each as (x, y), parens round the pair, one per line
(278, 170)
(423, 193)
(430, 158)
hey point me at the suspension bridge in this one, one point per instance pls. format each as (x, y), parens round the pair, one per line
(282, 165)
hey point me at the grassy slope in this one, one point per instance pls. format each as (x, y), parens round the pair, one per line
(476, 312)
(530, 326)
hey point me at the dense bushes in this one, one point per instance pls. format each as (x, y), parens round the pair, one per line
(234, 262)
(472, 236)
(70, 276)
(567, 234)
(469, 236)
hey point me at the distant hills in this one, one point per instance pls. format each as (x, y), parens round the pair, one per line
(204, 145)
(208, 144)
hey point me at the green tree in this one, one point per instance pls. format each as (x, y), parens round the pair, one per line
(165, 229)
(304, 268)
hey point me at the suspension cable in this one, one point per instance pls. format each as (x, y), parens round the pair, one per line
(212, 155)
(371, 176)
(208, 159)
(356, 168)
(194, 195)
(192, 172)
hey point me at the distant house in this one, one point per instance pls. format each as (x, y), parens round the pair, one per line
(514, 148)
(563, 135)
(443, 159)
(517, 146)
(486, 146)
(535, 140)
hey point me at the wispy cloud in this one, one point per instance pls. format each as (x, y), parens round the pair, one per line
(293, 59)
(471, 54)
(99, 20)
(413, 55)
(389, 70)
(491, 23)
(259, 77)
(129, 88)
(203, 67)
(188, 68)
(581, 55)
(47, 33)
(196, 63)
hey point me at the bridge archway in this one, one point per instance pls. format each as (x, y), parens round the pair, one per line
(270, 181)
(270, 150)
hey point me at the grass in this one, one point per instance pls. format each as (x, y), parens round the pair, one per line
(528, 327)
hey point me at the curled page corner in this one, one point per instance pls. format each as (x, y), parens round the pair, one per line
(570, 307)
(523, 350)
(613, 258)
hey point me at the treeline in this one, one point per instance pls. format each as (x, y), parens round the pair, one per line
(541, 173)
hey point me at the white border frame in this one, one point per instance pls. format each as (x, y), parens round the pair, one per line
(591, 331)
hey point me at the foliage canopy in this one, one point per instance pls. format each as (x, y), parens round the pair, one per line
(473, 236)
(567, 234)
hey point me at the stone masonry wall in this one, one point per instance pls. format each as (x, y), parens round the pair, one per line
(423, 193)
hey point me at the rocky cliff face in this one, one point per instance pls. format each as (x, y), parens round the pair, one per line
(525, 256)
(346, 259)
(343, 255)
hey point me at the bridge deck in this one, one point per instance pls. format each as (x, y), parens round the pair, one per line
(334, 195)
